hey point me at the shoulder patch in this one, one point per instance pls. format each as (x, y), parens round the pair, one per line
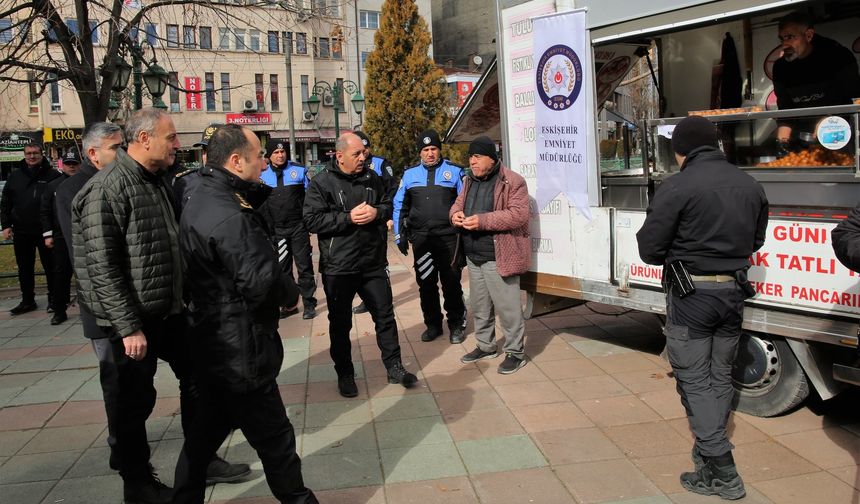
(185, 172)
(243, 202)
(389, 171)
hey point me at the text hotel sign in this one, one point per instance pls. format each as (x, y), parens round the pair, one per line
(192, 94)
(249, 119)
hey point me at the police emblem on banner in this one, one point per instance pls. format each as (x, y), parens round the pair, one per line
(294, 174)
(559, 77)
(446, 175)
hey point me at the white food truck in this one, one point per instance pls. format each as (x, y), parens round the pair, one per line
(801, 327)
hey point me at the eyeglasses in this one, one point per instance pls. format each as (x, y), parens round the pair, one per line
(32, 154)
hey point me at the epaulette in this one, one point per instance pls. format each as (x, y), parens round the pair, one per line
(185, 172)
(243, 202)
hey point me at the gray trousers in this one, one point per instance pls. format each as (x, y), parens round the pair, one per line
(490, 294)
(702, 332)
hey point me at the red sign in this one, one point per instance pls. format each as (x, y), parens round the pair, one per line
(463, 90)
(193, 99)
(250, 119)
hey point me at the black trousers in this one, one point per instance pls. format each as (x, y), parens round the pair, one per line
(702, 333)
(25, 246)
(374, 289)
(299, 245)
(129, 394)
(433, 265)
(263, 420)
(62, 285)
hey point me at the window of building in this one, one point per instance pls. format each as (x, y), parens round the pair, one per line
(189, 37)
(173, 81)
(288, 41)
(368, 19)
(364, 56)
(305, 88)
(301, 43)
(323, 48)
(172, 35)
(273, 92)
(259, 92)
(274, 43)
(327, 7)
(152, 34)
(205, 37)
(34, 92)
(224, 37)
(134, 33)
(6, 31)
(336, 48)
(339, 97)
(240, 39)
(72, 25)
(225, 92)
(210, 91)
(56, 102)
(255, 40)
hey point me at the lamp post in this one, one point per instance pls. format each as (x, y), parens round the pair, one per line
(323, 88)
(155, 77)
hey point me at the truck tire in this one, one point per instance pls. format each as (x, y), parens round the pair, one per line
(767, 376)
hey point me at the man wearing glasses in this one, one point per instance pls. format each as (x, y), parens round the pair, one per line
(19, 216)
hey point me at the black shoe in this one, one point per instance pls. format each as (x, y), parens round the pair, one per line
(458, 335)
(511, 364)
(430, 334)
(288, 312)
(59, 317)
(360, 309)
(478, 354)
(698, 460)
(718, 476)
(148, 490)
(398, 374)
(346, 386)
(221, 471)
(309, 313)
(23, 308)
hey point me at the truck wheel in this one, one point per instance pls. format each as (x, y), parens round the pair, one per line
(767, 376)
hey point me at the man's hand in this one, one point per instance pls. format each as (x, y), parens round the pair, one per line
(49, 242)
(7, 233)
(135, 345)
(470, 223)
(458, 218)
(390, 224)
(363, 214)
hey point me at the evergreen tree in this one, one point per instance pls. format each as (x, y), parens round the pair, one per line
(405, 90)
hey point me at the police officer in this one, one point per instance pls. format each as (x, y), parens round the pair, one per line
(421, 206)
(184, 182)
(383, 168)
(236, 286)
(283, 210)
(55, 241)
(702, 226)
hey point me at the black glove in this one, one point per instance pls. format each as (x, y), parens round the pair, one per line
(403, 246)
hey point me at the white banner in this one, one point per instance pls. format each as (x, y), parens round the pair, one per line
(561, 132)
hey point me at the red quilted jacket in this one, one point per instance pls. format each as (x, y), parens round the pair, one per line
(509, 220)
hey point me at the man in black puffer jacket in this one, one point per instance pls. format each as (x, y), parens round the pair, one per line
(347, 206)
(19, 215)
(236, 286)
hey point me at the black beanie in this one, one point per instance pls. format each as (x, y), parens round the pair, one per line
(276, 144)
(364, 139)
(428, 138)
(484, 146)
(694, 132)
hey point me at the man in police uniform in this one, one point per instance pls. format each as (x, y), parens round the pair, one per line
(383, 168)
(421, 206)
(283, 210)
(703, 224)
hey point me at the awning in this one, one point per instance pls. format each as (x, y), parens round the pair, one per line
(480, 115)
(308, 135)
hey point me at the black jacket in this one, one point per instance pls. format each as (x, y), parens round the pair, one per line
(828, 76)
(22, 198)
(347, 248)
(283, 208)
(712, 216)
(235, 283)
(48, 210)
(63, 200)
(846, 240)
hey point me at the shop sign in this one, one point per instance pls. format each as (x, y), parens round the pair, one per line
(11, 156)
(15, 142)
(833, 132)
(249, 119)
(62, 135)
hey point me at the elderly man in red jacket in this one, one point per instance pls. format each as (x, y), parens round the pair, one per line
(493, 211)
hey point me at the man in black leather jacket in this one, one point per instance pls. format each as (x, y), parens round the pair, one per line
(236, 286)
(347, 206)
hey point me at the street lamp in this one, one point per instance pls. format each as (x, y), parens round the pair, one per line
(324, 89)
(154, 76)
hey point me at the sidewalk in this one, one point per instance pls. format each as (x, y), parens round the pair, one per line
(594, 417)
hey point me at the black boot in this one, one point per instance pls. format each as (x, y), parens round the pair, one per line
(431, 333)
(146, 490)
(718, 476)
(398, 374)
(23, 307)
(221, 471)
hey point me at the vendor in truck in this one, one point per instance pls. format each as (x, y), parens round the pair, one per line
(814, 71)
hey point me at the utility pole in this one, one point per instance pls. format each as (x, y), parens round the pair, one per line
(288, 60)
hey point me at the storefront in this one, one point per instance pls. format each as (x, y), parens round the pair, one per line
(12, 149)
(58, 141)
(314, 146)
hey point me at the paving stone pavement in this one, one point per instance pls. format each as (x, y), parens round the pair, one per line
(593, 418)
